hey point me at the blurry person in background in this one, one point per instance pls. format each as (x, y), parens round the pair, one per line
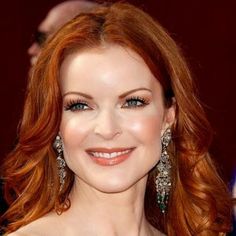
(56, 17)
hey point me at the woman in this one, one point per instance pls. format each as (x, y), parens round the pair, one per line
(113, 140)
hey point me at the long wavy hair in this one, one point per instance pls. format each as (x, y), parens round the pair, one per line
(199, 203)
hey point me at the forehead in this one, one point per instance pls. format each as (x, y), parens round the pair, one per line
(111, 65)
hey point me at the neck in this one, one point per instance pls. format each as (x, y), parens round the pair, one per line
(112, 214)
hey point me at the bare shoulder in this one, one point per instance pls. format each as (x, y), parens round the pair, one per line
(41, 227)
(18, 233)
(14, 234)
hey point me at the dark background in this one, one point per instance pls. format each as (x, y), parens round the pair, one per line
(204, 29)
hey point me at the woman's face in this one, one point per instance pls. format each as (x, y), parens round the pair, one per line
(113, 117)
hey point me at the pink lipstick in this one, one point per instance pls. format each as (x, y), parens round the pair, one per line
(109, 157)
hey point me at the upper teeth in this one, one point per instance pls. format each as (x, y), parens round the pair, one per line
(109, 155)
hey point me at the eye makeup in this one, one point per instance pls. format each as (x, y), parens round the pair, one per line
(136, 102)
(76, 105)
(131, 102)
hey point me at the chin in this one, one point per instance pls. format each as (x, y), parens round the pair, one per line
(118, 184)
(115, 187)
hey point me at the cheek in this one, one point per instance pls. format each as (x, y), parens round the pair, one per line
(73, 131)
(146, 129)
(147, 133)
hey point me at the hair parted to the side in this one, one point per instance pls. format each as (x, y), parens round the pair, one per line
(199, 203)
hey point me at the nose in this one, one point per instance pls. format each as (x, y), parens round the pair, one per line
(34, 49)
(107, 125)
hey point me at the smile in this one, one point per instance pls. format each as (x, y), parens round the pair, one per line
(109, 157)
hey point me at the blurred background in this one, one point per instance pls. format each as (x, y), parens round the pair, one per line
(205, 30)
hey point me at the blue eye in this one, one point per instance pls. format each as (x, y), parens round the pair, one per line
(77, 106)
(135, 102)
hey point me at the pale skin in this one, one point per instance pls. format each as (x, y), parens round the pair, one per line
(110, 100)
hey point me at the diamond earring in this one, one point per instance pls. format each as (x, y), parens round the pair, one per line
(61, 164)
(163, 180)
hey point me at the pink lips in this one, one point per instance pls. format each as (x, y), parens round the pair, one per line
(109, 157)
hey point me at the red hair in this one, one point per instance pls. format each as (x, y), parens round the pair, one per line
(199, 203)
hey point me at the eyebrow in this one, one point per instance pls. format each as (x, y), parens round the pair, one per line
(133, 91)
(120, 97)
(78, 93)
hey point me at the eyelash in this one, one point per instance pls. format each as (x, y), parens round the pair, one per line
(139, 102)
(136, 99)
(71, 105)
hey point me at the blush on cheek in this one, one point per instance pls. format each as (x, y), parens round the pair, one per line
(147, 130)
(72, 131)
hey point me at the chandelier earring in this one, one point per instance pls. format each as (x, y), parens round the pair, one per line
(61, 164)
(163, 179)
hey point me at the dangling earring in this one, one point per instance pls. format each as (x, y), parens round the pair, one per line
(163, 180)
(61, 164)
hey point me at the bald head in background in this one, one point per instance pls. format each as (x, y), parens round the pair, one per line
(56, 18)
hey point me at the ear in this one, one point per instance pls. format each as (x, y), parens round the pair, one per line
(169, 116)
